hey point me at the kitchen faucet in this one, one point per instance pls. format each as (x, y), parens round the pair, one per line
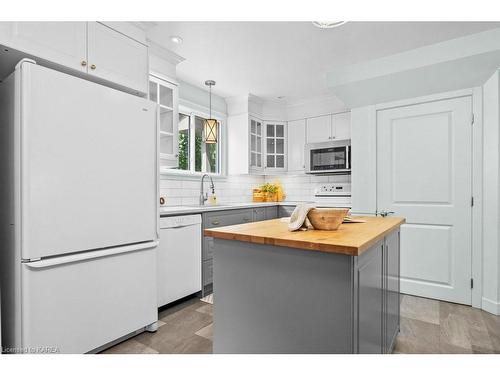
(204, 196)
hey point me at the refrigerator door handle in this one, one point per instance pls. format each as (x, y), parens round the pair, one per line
(56, 261)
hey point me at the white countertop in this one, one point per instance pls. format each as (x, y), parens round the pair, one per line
(184, 210)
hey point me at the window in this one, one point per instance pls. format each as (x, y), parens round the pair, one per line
(194, 154)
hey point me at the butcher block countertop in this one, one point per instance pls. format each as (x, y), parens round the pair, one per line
(349, 239)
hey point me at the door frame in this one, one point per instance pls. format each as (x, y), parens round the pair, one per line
(476, 177)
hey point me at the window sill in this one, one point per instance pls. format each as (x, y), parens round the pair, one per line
(186, 175)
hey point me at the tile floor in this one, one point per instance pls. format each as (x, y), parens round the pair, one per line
(427, 326)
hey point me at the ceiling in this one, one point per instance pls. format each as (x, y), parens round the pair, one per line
(291, 59)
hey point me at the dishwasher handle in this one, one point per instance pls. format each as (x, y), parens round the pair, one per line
(89, 255)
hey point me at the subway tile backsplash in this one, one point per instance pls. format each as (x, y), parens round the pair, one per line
(186, 191)
(301, 187)
(238, 188)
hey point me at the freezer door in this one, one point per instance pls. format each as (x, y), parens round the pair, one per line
(72, 305)
(88, 157)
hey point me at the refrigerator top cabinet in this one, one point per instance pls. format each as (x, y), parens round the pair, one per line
(86, 157)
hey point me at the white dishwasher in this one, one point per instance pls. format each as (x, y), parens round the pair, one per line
(179, 257)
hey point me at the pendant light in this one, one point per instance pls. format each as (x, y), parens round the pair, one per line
(210, 126)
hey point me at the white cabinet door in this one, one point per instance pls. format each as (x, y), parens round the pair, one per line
(296, 143)
(341, 125)
(424, 164)
(256, 140)
(165, 95)
(275, 146)
(63, 43)
(117, 58)
(319, 129)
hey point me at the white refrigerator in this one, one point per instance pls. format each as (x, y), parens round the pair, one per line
(78, 213)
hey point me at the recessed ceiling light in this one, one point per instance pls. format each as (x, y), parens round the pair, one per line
(328, 24)
(281, 97)
(176, 39)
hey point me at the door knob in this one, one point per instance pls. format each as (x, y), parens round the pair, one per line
(92, 66)
(83, 63)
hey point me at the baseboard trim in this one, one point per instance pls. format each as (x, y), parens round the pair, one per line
(491, 306)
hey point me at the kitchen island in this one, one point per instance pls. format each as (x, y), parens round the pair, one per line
(306, 292)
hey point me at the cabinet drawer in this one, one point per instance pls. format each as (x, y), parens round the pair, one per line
(208, 272)
(220, 219)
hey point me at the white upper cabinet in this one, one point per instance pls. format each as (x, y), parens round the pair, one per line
(64, 43)
(327, 128)
(296, 139)
(256, 154)
(319, 129)
(275, 143)
(341, 125)
(87, 47)
(165, 95)
(117, 58)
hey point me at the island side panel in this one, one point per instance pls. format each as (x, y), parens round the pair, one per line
(271, 299)
(369, 305)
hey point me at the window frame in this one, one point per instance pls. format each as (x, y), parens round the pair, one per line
(221, 149)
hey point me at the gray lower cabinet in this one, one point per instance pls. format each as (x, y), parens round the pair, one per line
(223, 218)
(259, 214)
(265, 213)
(377, 300)
(214, 220)
(370, 300)
(285, 211)
(271, 212)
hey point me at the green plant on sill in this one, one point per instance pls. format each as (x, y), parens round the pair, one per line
(269, 188)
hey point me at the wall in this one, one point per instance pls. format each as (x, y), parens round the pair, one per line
(189, 94)
(314, 107)
(491, 207)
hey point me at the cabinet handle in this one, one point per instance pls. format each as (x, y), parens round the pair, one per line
(83, 63)
(246, 219)
(215, 222)
(93, 67)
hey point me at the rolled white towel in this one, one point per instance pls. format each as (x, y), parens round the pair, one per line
(299, 219)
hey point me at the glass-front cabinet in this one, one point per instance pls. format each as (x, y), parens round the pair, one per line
(165, 95)
(275, 146)
(267, 146)
(255, 144)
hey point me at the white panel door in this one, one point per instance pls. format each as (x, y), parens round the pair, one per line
(64, 43)
(296, 143)
(319, 129)
(341, 125)
(117, 58)
(89, 165)
(424, 174)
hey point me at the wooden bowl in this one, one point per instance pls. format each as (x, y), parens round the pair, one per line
(327, 218)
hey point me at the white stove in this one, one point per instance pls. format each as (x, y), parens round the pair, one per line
(338, 194)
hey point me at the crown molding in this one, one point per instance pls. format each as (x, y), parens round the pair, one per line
(164, 53)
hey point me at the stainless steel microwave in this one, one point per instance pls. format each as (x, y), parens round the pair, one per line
(328, 157)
